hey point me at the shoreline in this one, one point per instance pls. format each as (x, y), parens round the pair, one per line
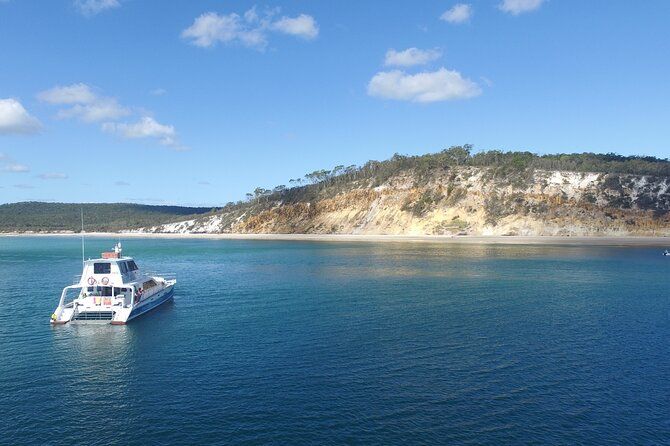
(446, 239)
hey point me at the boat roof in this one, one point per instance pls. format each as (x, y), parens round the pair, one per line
(113, 256)
(114, 260)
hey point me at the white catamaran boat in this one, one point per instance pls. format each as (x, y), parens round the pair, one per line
(112, 290)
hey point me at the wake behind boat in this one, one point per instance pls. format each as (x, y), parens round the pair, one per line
(112, 289)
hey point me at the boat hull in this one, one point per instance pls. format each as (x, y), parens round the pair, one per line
(114, 315)
(163, 296)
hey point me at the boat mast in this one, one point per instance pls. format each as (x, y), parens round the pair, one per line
(82, 238)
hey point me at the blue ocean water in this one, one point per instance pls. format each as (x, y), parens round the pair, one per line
(271, 342)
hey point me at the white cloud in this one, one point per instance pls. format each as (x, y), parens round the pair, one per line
(104, 109)
(411, 56)
(8, 165)
(440, 85)
(86, 104)
(16, 168)
(90, 8)
(90, 107)
(211, 28)
(486, 80)
(249, 30)
(121, 183)
(516, 7)
(14, 119)
(146, 127)
(70, 94)
(24, 186)
(251, 15)
(302, 26)
(53, 176)
(158, 92)
(459, 13)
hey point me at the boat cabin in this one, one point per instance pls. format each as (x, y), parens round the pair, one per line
(114, 278)
(110, 271)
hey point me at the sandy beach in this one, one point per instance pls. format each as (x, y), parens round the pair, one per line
(507, 240)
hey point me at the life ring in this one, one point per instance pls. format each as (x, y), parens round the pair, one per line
(91, 280)
(105, 280)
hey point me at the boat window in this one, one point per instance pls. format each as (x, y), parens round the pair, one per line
(123, 266)
(102, 268)
(107, 291)
(132, 266)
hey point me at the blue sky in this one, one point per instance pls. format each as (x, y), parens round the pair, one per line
(198, 102)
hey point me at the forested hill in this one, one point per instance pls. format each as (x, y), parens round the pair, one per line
(55, 217)
(457, 192)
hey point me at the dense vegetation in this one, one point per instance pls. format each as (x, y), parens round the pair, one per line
(513, 163)
(37, 216)
(507, 166)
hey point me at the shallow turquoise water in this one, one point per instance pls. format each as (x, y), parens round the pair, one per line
(340, 343)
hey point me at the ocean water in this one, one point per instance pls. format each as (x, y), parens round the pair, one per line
(271, 342)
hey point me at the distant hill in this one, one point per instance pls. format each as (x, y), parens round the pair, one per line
(455, 192)
(56, 217)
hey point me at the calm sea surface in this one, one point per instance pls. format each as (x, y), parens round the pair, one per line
(342, 343)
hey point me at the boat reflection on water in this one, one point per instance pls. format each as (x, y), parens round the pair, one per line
(99, 367)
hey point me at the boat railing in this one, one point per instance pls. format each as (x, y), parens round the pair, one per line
(70, 295)
(166, 276)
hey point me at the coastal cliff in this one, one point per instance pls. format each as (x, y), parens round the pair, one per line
(454, 193)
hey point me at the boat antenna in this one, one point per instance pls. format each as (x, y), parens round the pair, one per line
(82, 237)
